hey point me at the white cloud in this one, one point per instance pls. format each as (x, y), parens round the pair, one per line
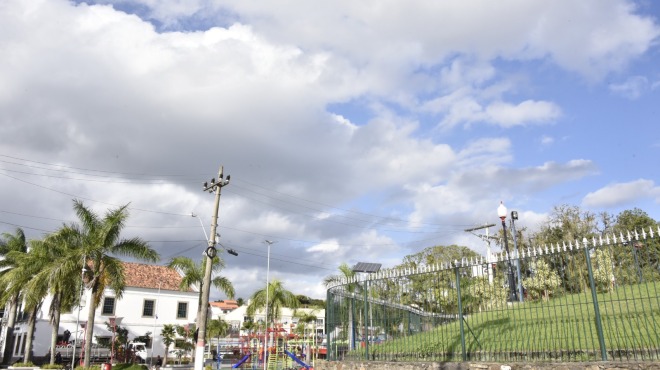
(547, 140)
(328, 246)
(620, 194)
(527, 112)
(632, 88)
(90, 87)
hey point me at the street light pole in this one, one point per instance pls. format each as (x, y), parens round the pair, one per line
(269, 243)
(514, 217)
(82, 291)
(214, 186)
(501, 212)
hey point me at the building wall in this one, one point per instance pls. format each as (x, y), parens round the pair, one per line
(129, 309)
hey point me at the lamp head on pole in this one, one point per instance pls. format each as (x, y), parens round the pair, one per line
(501, 211)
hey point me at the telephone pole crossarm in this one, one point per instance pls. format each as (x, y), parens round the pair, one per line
(212, 187)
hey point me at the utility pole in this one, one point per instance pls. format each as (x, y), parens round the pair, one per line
(214, 186)
(487, 239)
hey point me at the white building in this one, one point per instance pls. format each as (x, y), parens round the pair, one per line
(151, 299)
(287, 321)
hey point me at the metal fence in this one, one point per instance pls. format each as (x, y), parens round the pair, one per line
(587, 300)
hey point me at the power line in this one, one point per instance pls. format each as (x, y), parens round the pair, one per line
(93, 200)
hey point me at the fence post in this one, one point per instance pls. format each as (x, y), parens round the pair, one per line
(365, 336)
(460, 310)
(329, 314)
(594, 295)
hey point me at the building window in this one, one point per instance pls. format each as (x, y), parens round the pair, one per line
(182, 310)
(108, 306)
(148, 308)
(319, 322)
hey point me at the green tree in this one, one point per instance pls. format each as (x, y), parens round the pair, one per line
(568, 224)
(306, 317)
(193, 275)
(168, 334)
(240, 302)
(60, 276)
(544, 282)
(603, 272)
(10, 243)
(187, 332)
(22, 279)
(217, 328)
(342, 278)
(278, 298)
(98, 240)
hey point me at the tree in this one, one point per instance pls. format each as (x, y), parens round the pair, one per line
(193, 275)
(60, 277)
(187, 332)
(345, 274)
(168, 333)
(567, 224)
(98, 240)
(249, 326)
(240, 302)
(278, 298)
(304, 319)
(17, 243)
(544, 282)
(217, 328)
(636, 260)
(21, 279)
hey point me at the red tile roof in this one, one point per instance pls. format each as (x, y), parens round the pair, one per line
(225, 305)
(140, 275)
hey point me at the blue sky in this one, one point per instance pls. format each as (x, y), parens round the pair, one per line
(353, 131)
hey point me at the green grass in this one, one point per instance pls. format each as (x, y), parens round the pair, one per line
(563, 327)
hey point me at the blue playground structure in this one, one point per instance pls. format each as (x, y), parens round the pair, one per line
(296, 359)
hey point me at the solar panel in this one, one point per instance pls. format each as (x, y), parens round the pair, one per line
(367, 267)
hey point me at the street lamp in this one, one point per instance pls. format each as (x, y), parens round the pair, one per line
(501, 212)
(514, 218)
(269, 243)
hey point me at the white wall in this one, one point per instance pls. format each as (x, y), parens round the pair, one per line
(129, 308)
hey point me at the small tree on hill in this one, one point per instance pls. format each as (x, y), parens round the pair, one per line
(544, 282)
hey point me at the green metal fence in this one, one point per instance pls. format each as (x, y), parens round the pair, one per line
(588, 300)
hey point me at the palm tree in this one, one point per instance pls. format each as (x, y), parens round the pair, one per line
(97, 239)
(345, 274)
(278, 297)
(217, 328)
(304, 319)
(168, 334)
(10, 243)
(249, 326)
(60, 277)
(193, 275)
(21, 280)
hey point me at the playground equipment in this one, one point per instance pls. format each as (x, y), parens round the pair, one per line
(279, 355)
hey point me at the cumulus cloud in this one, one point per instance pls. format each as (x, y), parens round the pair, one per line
(622, 193)
(128, 102)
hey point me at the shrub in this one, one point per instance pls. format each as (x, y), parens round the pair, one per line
(52, 366)
(23, 364)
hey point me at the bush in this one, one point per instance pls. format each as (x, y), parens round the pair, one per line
(53, 366)
(23, 364)
(129, 367)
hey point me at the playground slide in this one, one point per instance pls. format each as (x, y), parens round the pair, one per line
(239, 363)
(296, 359)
